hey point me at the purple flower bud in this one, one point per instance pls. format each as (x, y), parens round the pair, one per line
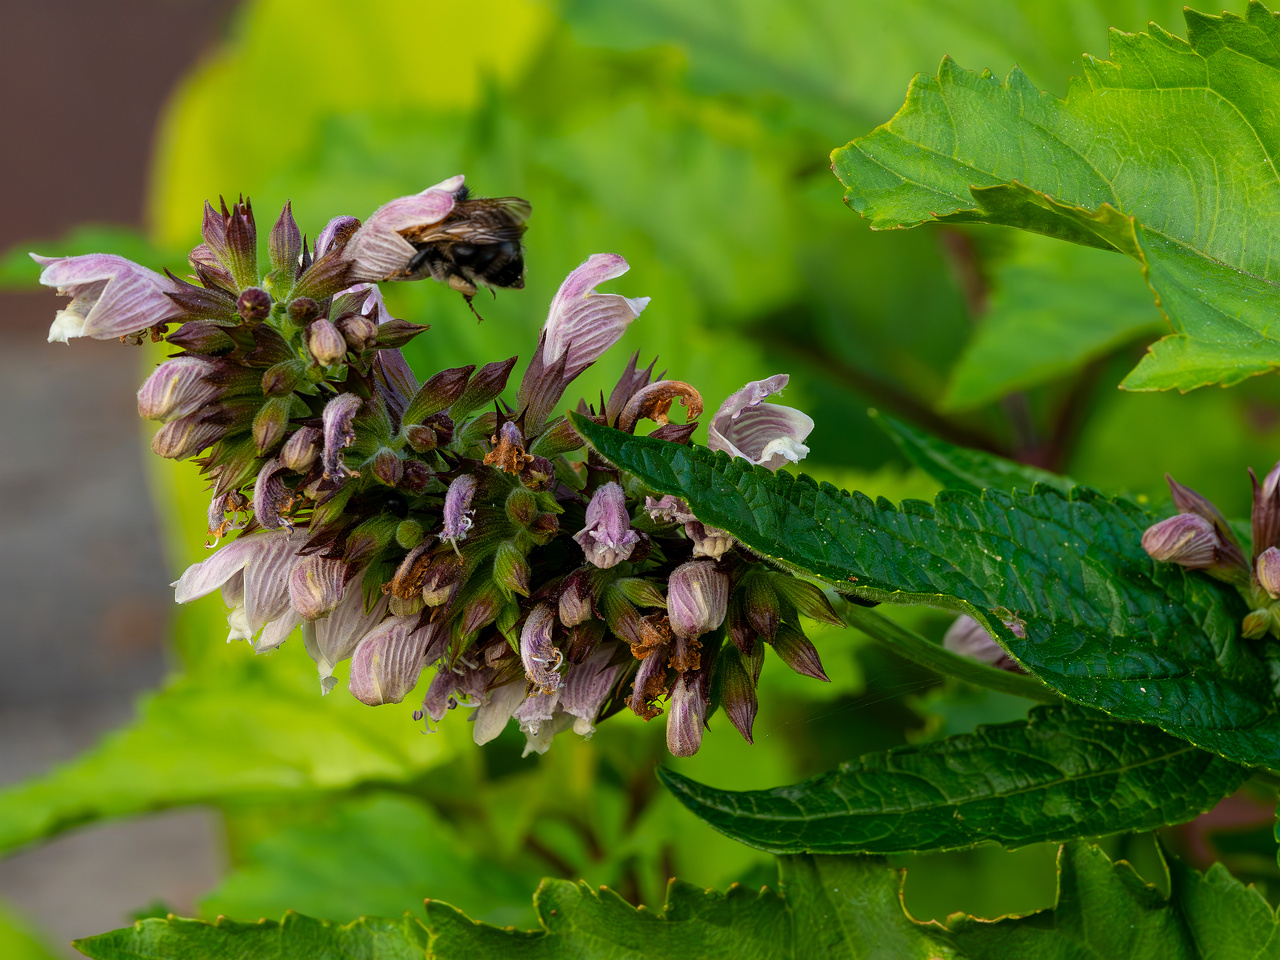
(326, 344)
(176, 388)
(386, 665)
(360, 332)
(686, 715)
(1186, 539)
(798, 653)
(271, 497)
(575, 599)
(185, 437)
(1230, 555)
(378, 250)
(764, 433)
(285, 244)
(299, 451)
(339, 413)
(111, 296)
(388, 467)
(302, 310)
(607, 539)
(316, 585)
(232, 236)
(457, 509)
(254, 305)
(1268, 571)
(582, 323)
(539, 655)
(697, 598)
(968, 638)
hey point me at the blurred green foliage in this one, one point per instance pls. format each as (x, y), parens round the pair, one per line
(693, 139)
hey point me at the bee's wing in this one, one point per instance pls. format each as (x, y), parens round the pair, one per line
(485, 220)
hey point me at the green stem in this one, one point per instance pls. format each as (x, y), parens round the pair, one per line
(915, 647)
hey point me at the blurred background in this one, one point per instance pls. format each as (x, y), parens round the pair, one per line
(694, 140)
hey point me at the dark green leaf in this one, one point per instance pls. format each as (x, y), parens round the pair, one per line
(959, 468)
(294, 938)
(1097, 619)
(1063, 773)
(1114, 165)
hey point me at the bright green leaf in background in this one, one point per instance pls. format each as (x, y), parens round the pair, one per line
(1163, 153)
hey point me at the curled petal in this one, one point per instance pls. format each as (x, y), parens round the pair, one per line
(264, 559)
(332, 639)
(669, 509)
(1268, 571)
(1187, 539)
(386, 665)
(111, 296)
(271, 496)
(335, 234)
(176, 388)
(378, 250)
(653, 402)
(299, 451)
(186, 436)
(492, 716)
(539, 655)
(277, 632)
(765, 434)
(584, 324)
(968, 638)
(339, 414)
(607, 539)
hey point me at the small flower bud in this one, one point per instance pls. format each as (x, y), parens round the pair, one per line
(177, 387)
(1256, 624)
(388, 467)
(417, 476)
(185, 437)
(1268, 571)
(544, 528)
(358, 330)
(302, 310)
(284, 246)
(795, 650)
(393, 334)
(575, 599)
(685, 718)
(421, 439)
(1186, 539)
(316, 586)
(409, 534)
(441, 579)
(282, 378)
(270, 423)
(254, 305)
(538, 474)
(522, 506)
(271, 497)
(457, 509)
(299, 451)
(697, 598)
(511, 569)
(539, 655)
(325, 343)
(607, 539)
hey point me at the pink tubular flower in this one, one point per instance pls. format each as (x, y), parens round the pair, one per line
(253, 572)
(111, 296)
(176, 388)
(766, 434)
(583, 323)
(378, 250)
(697, 598)
(607, 539)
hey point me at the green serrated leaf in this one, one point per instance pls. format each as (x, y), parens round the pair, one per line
(959, 468)
(293, 938)
(1115, 166)
(1097, 619)
(578, 921)
(1063, 773)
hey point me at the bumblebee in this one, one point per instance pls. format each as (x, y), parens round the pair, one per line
(477, 244)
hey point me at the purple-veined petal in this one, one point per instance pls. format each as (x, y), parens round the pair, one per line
(768, 434)
(587, 685)
(583, 323)
(316, 586)
(491, 717)
(335, 637)
(177, 388)
(111, 296)
(339, 413)
(377, 250)
(539, 655)
(277, 632)
(607, 539)
(697, 598)
(386, 665)
(686, 713)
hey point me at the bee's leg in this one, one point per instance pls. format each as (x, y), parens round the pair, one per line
(473, 307)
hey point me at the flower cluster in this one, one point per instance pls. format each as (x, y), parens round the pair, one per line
(1200, 538)
(402, 525)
